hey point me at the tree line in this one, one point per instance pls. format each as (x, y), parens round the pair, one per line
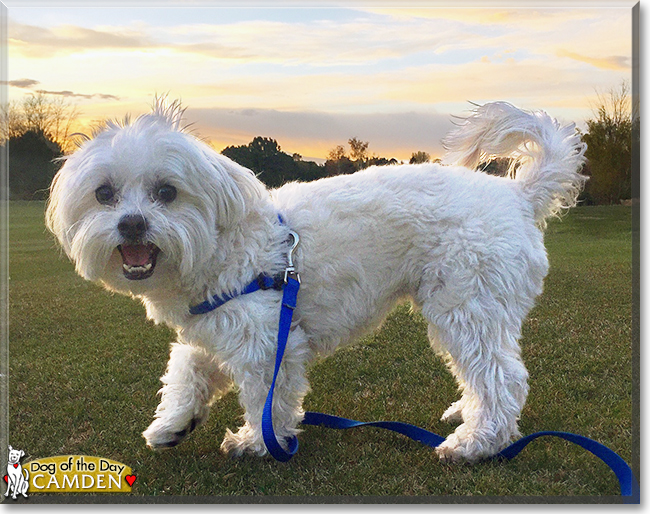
(38, 131)
(274, 167)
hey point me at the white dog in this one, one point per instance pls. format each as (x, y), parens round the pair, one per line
(17, 481)
(148, 210)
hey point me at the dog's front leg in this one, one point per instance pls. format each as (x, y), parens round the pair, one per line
(15, 489)
(254, 381)
(24, 484)
(192, 382)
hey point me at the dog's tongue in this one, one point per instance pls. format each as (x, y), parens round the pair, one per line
(136, 255)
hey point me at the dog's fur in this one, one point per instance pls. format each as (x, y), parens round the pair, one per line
(464, 246)
(17, 481)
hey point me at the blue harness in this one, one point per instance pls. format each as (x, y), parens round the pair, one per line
(289, 283)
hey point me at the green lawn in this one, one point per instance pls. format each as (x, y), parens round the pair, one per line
(85, 366)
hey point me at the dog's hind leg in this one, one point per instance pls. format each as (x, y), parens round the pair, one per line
(192, 382)
(485, 357)
(479, 335)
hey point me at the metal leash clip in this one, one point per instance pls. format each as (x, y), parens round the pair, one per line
(290, 270)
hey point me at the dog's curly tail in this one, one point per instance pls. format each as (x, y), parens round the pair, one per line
(545, 157)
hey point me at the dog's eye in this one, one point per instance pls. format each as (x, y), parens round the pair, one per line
(105, 195)
(165, 193)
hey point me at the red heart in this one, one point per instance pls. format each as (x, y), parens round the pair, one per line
(15, 465)
(6, 477)
(130, 479)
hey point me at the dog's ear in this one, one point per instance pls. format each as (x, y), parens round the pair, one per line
(10, 448)
(22, 453)
(236, 190)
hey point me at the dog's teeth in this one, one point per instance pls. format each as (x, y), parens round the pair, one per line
(137, 269)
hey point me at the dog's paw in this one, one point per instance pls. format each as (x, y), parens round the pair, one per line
(470, 445)
(454, 414)
(246, 440)
(452, 451)
(161, 436)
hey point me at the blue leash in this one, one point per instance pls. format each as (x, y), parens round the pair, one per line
(626, 479)
(286, 315)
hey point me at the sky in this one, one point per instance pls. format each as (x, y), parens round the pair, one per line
(312, 75)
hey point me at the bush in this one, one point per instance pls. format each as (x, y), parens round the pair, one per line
(32, 165)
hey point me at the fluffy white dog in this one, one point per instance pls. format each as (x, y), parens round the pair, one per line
(148, 210)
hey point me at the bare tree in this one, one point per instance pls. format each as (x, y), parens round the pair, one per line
(615, 106)
(12, 121)
(50, 116)
(36, 110)
(63, 116)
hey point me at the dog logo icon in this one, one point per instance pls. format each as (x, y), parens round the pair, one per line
(17, 482)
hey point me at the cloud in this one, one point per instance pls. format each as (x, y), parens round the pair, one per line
(315, 133)
(322, 43)
(30, 83)
(524, 82)
(71, 94)
(534, 18)
(615, 62)
(41, 42)
(64, 40)
(365, 38)
(20, 83)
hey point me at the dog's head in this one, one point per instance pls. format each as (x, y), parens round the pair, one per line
(15, 455)
(145, 202)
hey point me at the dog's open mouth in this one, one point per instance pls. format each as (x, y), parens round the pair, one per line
(138, 261)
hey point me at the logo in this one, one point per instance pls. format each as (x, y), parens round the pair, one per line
(66, 474)
(17, 478)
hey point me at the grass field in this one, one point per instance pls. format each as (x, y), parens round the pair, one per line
(85, 366)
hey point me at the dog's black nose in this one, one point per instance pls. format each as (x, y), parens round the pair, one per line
(132, 227)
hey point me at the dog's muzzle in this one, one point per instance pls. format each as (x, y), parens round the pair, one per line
(138, 255)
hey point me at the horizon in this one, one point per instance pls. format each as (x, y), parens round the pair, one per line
(313, 77)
